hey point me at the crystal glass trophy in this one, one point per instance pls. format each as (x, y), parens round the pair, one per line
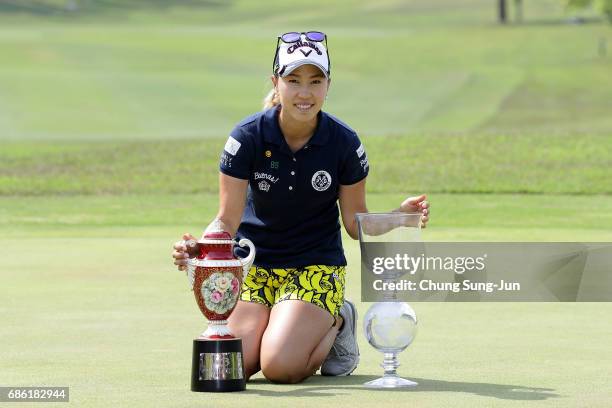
(390, 326)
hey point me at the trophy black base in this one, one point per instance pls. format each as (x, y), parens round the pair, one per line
(217, 365)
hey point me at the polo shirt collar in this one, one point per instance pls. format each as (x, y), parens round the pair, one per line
(273, 133)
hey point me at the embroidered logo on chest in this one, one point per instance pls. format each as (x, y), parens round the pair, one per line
(265, 176)
(321, 180)
(264, 186)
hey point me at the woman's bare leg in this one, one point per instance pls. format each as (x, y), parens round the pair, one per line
(297, 340)
(248, 321)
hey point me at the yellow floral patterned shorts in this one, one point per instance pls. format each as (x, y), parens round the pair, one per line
(320, 285)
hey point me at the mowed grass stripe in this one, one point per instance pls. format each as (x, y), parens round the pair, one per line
(477, 100)
(552, 103)
(546, 164)
(451, 211)
(397, 75)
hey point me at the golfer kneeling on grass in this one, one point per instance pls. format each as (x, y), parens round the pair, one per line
(283, 171)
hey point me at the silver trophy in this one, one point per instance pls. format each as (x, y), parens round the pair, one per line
(390, 326)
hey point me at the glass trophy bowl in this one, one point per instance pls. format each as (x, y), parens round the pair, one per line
(390, 326)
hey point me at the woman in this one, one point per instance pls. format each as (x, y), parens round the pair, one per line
(283, 173)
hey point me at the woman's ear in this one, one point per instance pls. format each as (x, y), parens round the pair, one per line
(274, 80)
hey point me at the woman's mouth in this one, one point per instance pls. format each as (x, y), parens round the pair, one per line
(303, 107)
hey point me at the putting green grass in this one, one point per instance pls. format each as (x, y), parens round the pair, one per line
(90, 300)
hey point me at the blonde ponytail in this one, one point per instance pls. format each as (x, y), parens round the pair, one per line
(271, 100)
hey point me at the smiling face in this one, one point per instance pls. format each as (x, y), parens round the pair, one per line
(302, 92)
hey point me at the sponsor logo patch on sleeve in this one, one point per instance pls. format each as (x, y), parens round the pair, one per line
(364, 163)
(226, 160)
(232, 146)
(360, 150)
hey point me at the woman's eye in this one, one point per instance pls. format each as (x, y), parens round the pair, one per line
(293, 81)
(316, 81)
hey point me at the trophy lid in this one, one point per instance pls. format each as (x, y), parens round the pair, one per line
(215, 234)
(209, 237)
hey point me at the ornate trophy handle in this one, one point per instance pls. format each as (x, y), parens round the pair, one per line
(191, 245)
(248, 261)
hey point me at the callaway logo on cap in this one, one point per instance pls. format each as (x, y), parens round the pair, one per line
(297, 49)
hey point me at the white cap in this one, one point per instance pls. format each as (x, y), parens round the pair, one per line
(293, 55)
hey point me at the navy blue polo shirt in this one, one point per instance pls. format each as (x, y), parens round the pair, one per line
(291, 211)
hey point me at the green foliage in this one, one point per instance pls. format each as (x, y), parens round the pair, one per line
(603, 6)
(606, 7)
(577, 4)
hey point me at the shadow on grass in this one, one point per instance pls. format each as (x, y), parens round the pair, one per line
(319, 386)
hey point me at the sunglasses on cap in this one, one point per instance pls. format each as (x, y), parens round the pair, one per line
(293, 37)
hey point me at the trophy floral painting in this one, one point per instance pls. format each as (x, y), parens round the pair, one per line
(220, 292)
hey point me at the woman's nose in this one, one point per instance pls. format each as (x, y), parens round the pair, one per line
(304, 92)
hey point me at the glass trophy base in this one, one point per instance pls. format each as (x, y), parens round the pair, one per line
(390, 381)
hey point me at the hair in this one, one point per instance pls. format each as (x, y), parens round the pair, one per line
(271, 100)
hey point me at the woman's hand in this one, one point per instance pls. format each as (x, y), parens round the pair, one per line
(417, 204)
(180, 254)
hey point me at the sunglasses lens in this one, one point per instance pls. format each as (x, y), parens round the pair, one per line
(315, 36)
(290, 37)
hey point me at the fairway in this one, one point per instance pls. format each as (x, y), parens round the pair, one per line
(398, 67)
(112, 118)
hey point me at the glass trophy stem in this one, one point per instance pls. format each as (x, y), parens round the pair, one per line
(390, 364)
(390, 379)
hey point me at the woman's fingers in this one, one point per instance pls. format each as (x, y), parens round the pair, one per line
(180, 245)
(417, 199)
(424, 219)
(425, 212)
(180, 255)
(180, 262)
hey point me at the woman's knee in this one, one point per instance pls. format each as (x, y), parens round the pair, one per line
(283, 367)
(281, 372)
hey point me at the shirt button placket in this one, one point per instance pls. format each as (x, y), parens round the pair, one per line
(292, 182)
